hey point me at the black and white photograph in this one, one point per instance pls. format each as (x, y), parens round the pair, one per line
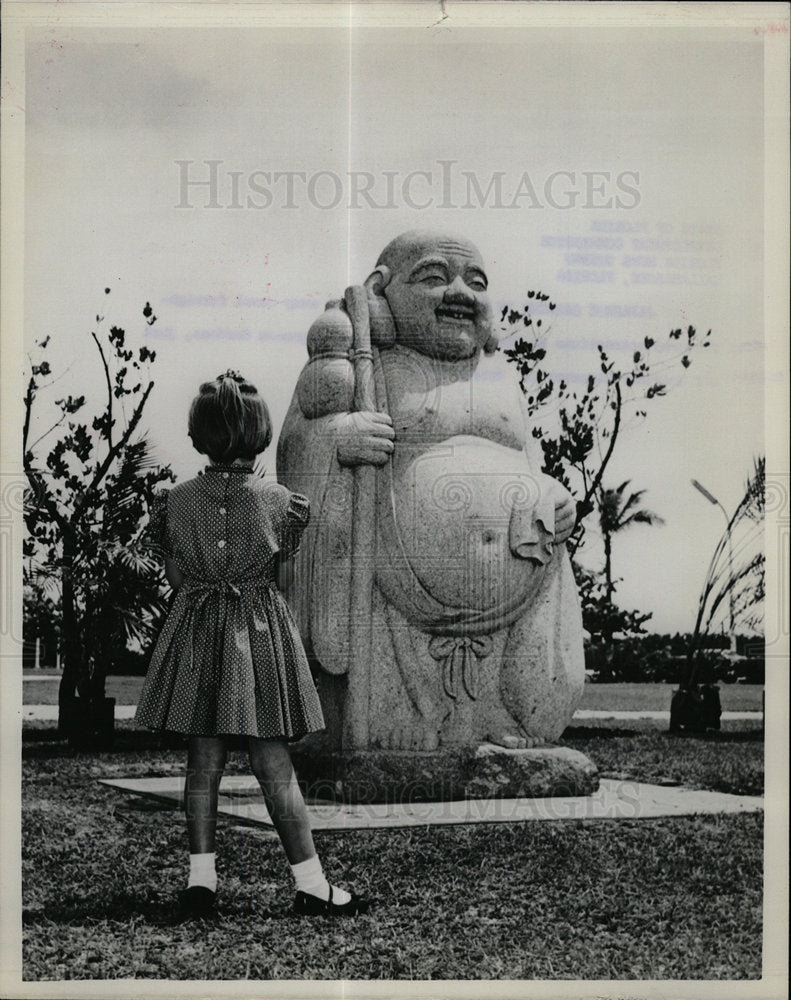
(394, 505)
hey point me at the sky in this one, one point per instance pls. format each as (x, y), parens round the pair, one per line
(619, 170)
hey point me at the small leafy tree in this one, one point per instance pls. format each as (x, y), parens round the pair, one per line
(600, 616)
(578, 428)
(87, 497)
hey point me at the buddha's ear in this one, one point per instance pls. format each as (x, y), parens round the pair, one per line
(490, 347)
(492, 340)
(383, 331)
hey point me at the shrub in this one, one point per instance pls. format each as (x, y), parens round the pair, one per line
(662, 659)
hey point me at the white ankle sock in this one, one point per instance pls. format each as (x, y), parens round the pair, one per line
(309, 877)
(202, 871)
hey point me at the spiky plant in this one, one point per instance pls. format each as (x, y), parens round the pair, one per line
(735, 577)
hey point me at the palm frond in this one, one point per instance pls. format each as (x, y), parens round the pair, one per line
(753, 502)
(128, 489)
(632, 501)
(614, 511)
(643, 517)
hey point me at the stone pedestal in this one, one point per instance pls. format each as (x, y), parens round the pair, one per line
(485, 771)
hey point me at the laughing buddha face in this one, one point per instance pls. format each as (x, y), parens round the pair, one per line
(436, 288)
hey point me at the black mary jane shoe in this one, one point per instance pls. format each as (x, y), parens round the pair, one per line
(197, 901)
(307, 905)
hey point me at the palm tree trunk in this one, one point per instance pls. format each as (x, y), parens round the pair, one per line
(608, 565)
(97, 653)
(85, 716)
(74, 678)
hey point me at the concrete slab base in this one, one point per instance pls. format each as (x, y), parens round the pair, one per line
(240, 799)
(584, 713)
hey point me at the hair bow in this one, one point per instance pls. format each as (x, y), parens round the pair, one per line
(230, 373)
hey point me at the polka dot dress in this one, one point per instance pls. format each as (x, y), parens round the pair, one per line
(229, 659)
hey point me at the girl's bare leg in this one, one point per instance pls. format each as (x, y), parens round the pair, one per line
(206, 757)
(270, 762)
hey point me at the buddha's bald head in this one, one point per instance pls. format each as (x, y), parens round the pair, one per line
(436, 287)
(409, 246)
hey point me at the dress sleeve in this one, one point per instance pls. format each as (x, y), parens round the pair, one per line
(296, 520)
(156, 531)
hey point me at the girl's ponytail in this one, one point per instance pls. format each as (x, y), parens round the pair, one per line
(229, 396)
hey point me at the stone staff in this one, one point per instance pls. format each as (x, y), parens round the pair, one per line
(363, 537)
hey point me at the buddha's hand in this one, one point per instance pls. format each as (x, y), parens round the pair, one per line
(365, 438)
(565, 511)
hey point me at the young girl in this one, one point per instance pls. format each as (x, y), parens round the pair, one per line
(229, 660)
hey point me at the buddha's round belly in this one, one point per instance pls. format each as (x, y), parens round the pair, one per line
(453, 505)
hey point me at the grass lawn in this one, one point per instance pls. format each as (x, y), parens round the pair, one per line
(653, 899)
(656, 697)
(125, 690)
(598, 697)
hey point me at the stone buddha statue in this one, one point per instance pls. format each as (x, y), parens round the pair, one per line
(433, 588)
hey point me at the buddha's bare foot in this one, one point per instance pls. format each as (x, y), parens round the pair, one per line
(510, 741)
(411, 736)
(430, 740)
(516, 741)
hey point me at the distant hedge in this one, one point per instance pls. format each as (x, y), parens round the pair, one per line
(647, 658)
(663, 659)
(130, 664)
